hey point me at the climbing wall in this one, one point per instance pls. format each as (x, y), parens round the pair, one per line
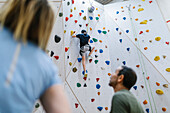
(91, 94)
(139, 38)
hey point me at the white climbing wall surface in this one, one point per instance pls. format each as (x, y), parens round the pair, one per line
(131, 33)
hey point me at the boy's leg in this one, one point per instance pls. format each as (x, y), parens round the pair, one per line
(83, 63)
(91, 51)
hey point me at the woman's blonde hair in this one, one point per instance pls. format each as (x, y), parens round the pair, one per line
(29, 20)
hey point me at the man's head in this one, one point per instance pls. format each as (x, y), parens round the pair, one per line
(123, 76)
(83, 32)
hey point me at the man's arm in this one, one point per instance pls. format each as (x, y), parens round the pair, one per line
(54, 100)
(74, 35)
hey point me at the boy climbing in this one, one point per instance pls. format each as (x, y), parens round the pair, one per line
(84, 46)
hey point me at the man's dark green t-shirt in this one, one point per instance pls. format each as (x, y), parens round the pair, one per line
(124, 101)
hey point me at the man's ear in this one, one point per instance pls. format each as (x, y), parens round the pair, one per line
(120, 78)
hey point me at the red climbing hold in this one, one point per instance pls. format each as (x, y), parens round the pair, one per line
(66, 18)
(92, 100)
(75, 21)
(71, 15)
(56, 57)
(85, 78)
(150, 2)
(80, 14)
(66, 49)
(97, 79)
(72, 1)
(141, 32)
(76, 105)
(87, 25)
(147, 78)
(167, 43)
(90, 60)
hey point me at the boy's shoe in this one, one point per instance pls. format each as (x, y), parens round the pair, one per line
(90, 57)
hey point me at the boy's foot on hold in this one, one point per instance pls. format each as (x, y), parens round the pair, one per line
(85, 74)
(90, 57)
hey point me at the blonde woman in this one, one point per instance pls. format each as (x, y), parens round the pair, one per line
(26, 72)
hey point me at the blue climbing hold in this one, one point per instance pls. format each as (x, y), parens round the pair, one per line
(124, 62)
(79, 59)
(91, 41)
(124, 18)
(82, 11)
(98, 86)
(101, 51)
(135, 87)
(100, 108)
(83, 72)
(128, 49)
(147, 110)
(91, 18)
(99, 31)
(127, 31)
(120, 40)
(117, 29)
(117, 12)
(107, 62)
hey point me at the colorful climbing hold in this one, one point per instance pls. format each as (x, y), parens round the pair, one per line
(164, 109)
(99, 31)
(70, 63)
(124, 62)
(117, 29)
(91, 18)
(91, 41)
(37, 105)
(159, 91)
(128, 49)
(109, 74)
(84, 18)
(95, 40)
(124, 18)
(66, 19)
(97, 79)
(75, 21)
(144, 22)
(101, 51)
(120, 40)
(157, 58)
(92, 100)
(168, 69)
(145, 48)
(78, 85)
(142, 86)
(71, 33)
(80, 14)
(68, 3)
(147, 110)
(127, 31)
(158, 84)
(140, 32)
(72, 1)
(140, 9)
(82, 11)
(57, 38)
(74, 69)
(104, 32)
(100, 108)
(60, 14)
(79, 59)
(106, 108)
(97, 18)
(85, 85)
(98, 86)
(135, 87)
(107, 62)
(145, 102)
(66, 49)
(158, 38)
(98, 93)
(76, 105)
(90, 60)
(147, 30)
(165, 85)
(147, 77)
(56, 57)
(96, 61)
(117, 12)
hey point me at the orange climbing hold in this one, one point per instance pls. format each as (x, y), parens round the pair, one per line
(90, 29)
(100, 41)
(164, 109)
(145, 102)
(137, 66)
(96, 8)
(147, 30)
(136, 39)
(158, 84)
(106, 108)
(145, 48)
(133, 7)
(121, 7)
(99, 15)
(98, 93)
(96, 50)
(136, 19)
(109, 74)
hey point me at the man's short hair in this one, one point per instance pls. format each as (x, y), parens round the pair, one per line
(130, 76)
(83, 31)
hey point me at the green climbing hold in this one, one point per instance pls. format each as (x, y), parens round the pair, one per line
(84, 18)
(60, 14)
(104, 32)
(37, 105)
(96, 61)
(78, 85)
(95, 40)
(97, 18)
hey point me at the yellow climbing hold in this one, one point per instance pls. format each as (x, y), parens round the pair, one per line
(74, 8)
(70, 63)
(140, 9)
(64, 31)
(144, 22)
(71, 10)
(159, 91)
(72, 32)
(158, 38)
(168, 69)
(96, 8)
(143, 0)
(157, 58)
